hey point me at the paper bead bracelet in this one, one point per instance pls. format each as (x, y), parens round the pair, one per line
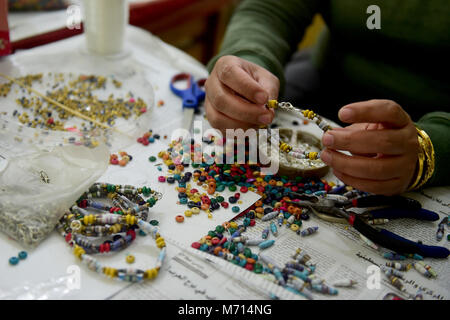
(129, 212)
(298, 153)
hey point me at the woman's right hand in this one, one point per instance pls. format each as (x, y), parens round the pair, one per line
(236, 93)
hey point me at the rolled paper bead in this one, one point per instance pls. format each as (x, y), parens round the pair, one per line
(345, 283)
(323, 288)
(299, 274)
(265, 233)
(368, 242)
(396, 282)
(279, 276)
(440, 232)
(393, 256)
(428, 268)
(295, 265)
(399, 266)
(273, 228)
(254, 242)
(290, 221)
(266, 244)
(304, 258)
(309, 231)
(270, 216)
(239, 239)
(392, 272)
(377, 221)
(280, 219)
(300, 286)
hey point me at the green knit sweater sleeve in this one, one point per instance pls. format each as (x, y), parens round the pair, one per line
(437, 126)
(267, 32)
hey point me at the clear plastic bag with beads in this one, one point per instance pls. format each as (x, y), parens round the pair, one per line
(41, 176)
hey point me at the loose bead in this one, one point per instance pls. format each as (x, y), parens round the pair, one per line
(23, 255)
(179, 218)
(235, 209)
(130, 258)
(309, 231)
(266, 244)
(13, 261)
(273, 228)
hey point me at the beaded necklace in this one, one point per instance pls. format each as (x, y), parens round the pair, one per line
(297, 152)
(129, 212)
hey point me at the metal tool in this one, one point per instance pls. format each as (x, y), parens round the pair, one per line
(192, 96)
(338, 213)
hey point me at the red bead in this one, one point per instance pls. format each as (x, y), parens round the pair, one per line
(252, 222)
(244, 189)
(215, 241)
(68, 237)
(224, 204)
(107, 247)
(140, 140)
(195, 245)
(145, 142)
(237, 195)
(294, 188)
(50, 121)
(83, 204)
(132, 234)
(223, 240)
(249, 266)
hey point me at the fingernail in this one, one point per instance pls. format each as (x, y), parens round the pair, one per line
(328, 140)
(326, 156)
(265, 119)
(346, 114)
(261, 97)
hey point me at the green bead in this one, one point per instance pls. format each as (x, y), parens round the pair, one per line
(298, 222)
(232, 188)
(152, 159)
(248, 252)
(211, 234)
(231, 230)
(220, 229)
(154, 222)
(220, 198)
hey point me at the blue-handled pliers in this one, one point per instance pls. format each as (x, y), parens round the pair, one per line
(394, 208)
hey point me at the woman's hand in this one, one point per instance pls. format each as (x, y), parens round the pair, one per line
(383, 142)
(236, 93)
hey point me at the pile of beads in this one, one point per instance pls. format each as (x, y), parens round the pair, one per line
(125, 158)
(308, 114)
(78, 94)
(148, 137)
(116, 223)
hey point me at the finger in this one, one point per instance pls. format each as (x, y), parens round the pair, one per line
(373, 111)
(221, 121)
(387, 141)
(238, 80)
(383, 168)
(384, 187)
(224, 100)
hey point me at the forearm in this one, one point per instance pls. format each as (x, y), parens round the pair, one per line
(267, 32)
(437, 126)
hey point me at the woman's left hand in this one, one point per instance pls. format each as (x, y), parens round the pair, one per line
(383, 142)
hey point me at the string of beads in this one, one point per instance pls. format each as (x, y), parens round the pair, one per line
(297, 152)
(117, 223)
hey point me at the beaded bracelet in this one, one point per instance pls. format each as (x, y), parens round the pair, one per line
(307, 114)
(129, 212)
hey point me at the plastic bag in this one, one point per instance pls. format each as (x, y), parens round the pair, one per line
(40, 179)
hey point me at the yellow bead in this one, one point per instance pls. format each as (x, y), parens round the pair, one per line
(273, 104)
(129, 258)
(242, 256)
(280, 183)
(195, 210)
(294, 227)
(233, 225)
(151, 273)
(259, 215)
(78, 251)
(313, 155)
(209, 215)
(188, 213)
(208, 242)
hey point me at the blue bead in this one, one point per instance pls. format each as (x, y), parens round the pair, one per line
(236, 209)
(13, 261)
(23, 255)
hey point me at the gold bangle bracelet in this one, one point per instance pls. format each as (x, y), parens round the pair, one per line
(421, 160)
(428, 150)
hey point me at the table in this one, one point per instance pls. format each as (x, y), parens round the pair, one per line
(190, 274)
(194, 26)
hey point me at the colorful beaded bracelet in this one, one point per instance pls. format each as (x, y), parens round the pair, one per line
(129, 212)
(298, 153)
